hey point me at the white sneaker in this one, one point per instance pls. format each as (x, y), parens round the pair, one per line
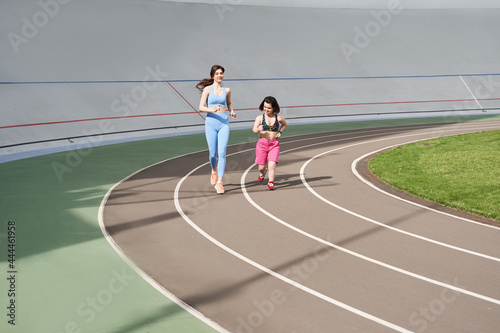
(219, 187)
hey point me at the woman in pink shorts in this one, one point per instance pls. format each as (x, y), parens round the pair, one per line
(268, 146)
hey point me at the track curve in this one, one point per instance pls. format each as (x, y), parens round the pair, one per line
(309, 256)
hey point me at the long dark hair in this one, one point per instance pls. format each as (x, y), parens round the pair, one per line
(207, 82)
(274, 104)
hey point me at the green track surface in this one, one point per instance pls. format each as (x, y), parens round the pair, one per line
(67, 276)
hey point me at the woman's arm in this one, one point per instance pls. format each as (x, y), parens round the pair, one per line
(229, 103)
(257, 126)
(283, 123)
(203, 102)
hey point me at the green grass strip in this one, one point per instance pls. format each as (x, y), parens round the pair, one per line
(460, 171)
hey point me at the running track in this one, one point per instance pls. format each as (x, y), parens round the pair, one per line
(325, 252)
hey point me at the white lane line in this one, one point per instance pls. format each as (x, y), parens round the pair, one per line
(195, 313)
(358, 255)
(353, 169)
(304, 181)
(146, 277)
(140, 272)
(271, 272)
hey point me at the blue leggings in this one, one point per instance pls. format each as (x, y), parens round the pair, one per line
(217, 133)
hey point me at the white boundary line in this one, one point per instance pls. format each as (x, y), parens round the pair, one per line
(154, 283)
(370, 135)
(399, 270)
(302, 177)
(271, 272)
(300, 286)
(353, 169)
(139, 271)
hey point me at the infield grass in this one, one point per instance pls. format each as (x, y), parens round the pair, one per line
(461, 171)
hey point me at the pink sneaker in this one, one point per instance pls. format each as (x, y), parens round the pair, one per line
(213, 178)
(270, 186)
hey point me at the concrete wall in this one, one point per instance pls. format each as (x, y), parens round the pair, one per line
(97, 71)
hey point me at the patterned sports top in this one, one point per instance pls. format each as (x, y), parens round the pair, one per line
(274, 127)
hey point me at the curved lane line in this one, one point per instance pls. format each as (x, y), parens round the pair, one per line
(139, 271)
(159, 287)
(304, 181)
(358, 255)
(356, 173)
(464, 291)
(271, 272)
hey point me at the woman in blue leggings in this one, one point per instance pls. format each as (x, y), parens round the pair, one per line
(216, 101)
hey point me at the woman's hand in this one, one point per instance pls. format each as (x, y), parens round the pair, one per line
(233, 114)
(218, 108)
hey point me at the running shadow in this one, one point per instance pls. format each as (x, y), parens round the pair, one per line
(216, 295)
(287, 181)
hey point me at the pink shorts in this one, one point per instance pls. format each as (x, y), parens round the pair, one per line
(267, 150)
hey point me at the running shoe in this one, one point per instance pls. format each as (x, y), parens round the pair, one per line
(213, 178)
(261, 176)
(270, 186)
(219, 187)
